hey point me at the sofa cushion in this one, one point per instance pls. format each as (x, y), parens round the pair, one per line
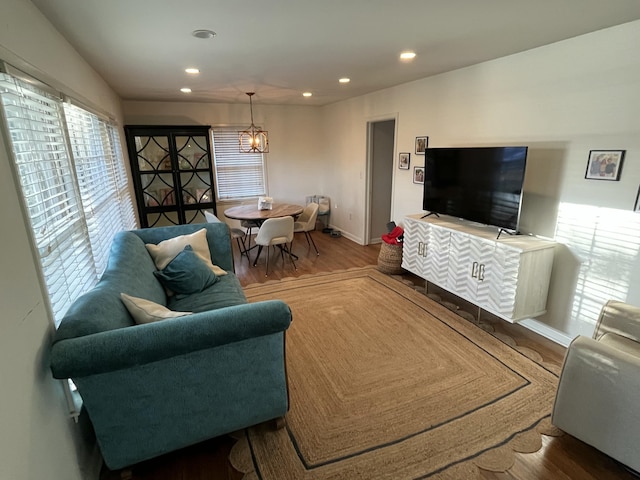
(226, 292)
(165, 251)
(186, 273)
(146, 311)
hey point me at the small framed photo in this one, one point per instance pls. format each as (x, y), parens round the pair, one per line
(421, 145)
(604, 165)
(418, 175)
(636, 208)
(403, 160)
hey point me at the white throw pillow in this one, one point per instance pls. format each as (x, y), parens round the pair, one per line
(146, 311)
(167, 250)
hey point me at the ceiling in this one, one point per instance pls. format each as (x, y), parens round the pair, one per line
(281, 48)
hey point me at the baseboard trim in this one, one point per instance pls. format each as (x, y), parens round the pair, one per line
(348, 235)
(546, 331)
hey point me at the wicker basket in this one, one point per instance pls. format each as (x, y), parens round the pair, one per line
(390, 259)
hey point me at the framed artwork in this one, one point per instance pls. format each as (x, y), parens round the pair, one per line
(604, 165)
(636, 208)
(418, 175)
(421, 145)
(403, 160)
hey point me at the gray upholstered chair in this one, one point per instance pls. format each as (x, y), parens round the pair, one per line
(306, 223)
(275, 231)
(599, 388)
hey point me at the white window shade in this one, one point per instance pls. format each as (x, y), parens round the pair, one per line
(35, 123)
(99, 174)
(238, 175)
(73, 182)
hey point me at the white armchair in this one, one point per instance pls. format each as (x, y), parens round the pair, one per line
(599, 388)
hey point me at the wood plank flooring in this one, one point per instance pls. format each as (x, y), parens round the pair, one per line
(560, 457)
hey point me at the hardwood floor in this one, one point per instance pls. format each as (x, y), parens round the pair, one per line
(560, 457)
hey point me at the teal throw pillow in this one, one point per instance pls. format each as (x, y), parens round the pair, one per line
(186, 273)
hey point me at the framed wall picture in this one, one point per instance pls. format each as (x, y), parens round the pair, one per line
(403, 160)
(421, 145)
(418, 175)
(604, 165)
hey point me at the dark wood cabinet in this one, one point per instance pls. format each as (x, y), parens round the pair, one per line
(172, 173)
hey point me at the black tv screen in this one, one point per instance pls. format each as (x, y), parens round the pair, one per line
(480, 184)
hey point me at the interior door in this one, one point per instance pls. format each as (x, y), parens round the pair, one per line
(382, 144)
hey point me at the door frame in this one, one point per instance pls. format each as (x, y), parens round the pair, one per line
(369, 169)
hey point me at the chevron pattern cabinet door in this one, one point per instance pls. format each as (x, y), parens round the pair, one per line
(459, 280)
(415, 246)
(437, 261)
(483, 252)
(503, 281)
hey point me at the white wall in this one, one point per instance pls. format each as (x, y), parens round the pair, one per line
(37, 438)
(562, 100)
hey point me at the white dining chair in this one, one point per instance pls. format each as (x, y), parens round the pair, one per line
(306, 223)
(275, 232)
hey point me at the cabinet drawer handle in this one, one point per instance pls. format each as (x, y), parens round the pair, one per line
(481, 272)
(474, 270)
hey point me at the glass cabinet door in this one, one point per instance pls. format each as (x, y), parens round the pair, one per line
(172, 174)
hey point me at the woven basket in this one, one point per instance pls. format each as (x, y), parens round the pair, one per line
(390, 259)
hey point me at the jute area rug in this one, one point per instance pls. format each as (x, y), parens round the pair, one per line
(386, 383)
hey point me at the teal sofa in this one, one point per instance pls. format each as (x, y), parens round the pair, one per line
(153, 388)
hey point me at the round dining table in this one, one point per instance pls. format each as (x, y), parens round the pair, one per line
(252, 213)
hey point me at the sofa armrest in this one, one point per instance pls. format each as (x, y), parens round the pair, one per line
(620, 318)
(126, 347)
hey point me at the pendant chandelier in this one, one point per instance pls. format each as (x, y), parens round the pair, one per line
(253, 140)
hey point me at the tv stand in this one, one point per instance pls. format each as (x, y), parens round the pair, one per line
(508, 277)
(429, 214)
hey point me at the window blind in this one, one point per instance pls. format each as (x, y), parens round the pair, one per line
(35, 123)
(238, 175)
(73, 182)
(100, 180)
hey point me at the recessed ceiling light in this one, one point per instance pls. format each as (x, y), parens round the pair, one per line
(307, 94)
(407, 55)
(185, 90)
(203, 34)
(344, 80)
(192, 70)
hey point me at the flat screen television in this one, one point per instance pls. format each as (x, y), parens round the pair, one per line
(479, 184)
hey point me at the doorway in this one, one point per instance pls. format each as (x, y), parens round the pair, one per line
(381, 146)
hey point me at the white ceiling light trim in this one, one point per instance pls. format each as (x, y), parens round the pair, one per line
(204, 34)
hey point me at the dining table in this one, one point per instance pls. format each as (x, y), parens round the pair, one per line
(252, 213)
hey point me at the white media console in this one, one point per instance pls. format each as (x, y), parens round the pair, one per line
(508, 277)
